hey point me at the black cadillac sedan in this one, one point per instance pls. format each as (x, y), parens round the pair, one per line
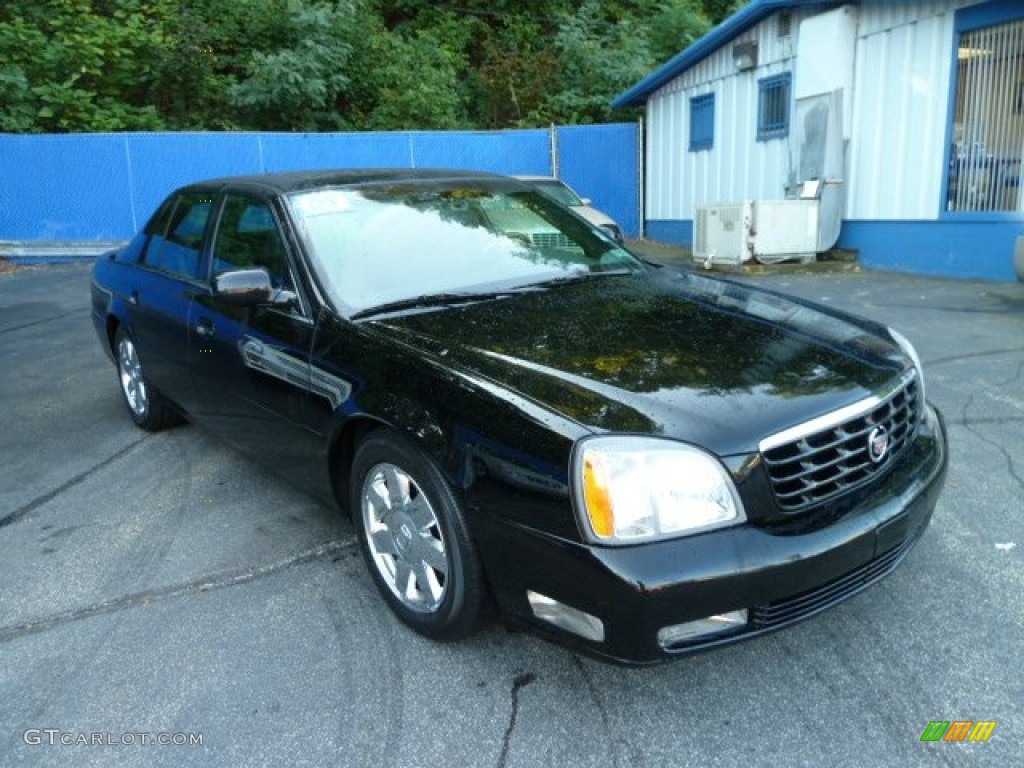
(637, 460)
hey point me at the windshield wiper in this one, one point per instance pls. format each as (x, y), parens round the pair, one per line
(431, 300)
(579, 277)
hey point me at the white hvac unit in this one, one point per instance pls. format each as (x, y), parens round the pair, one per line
(722, 234)
(785, 229)
(807, 221)
(766, 230)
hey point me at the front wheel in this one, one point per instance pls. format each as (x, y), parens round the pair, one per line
(148, 408)
(414, 539)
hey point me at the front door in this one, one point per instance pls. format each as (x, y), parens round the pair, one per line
(250, 365)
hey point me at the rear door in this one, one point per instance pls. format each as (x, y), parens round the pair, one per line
(250, 365)
(161, 292)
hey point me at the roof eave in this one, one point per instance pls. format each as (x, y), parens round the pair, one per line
(744, 19)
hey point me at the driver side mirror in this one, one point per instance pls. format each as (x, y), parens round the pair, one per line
(243, 287)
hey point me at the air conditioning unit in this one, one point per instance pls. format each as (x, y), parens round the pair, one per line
(722, 234)
(786, 229)
(766, 230)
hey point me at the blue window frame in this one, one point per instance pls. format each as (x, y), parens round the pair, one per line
(773, 95)
(702, 122)
(984, 160)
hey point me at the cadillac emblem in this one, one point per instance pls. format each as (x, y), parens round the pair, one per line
(878, 444)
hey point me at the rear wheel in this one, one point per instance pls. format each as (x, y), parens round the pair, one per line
(148, 408)
(414, 539)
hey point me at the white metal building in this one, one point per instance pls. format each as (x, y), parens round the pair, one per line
(908, 117)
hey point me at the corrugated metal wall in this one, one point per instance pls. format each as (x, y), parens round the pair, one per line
(896, 154)
(738, 166)
(895, 158)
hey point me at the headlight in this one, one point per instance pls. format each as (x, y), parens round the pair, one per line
(909, 351)
(633, 489)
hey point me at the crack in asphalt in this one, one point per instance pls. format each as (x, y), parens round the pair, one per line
(13, 328)
(37, 502)
(985, 420)
(206, 583)
(971, 356)
(521, 681)
(606, 725)
(969, 424)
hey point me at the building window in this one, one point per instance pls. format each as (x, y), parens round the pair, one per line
(987, 134)
(773, 107)
(702, 122)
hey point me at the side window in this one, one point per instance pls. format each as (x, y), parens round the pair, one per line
(248, 237)
(702, 122)
(773, 106)
(176, 235)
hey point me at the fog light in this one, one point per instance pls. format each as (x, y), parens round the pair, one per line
(566, 617)
(678, 634)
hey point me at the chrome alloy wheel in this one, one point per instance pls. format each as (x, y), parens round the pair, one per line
(404, 538)
(133, 384)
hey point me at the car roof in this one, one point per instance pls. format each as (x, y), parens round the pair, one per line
(292, 181)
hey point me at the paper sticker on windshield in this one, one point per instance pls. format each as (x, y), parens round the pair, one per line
(324, 202)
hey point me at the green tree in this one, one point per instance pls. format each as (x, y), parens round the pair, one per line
(297, 85)
(416, 84)
(65, 66)
(111, 65)
(597, 60)
(675, 25)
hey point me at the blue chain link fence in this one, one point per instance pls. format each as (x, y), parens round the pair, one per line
(91, 189)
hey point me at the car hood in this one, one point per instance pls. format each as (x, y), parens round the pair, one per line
(708, 361)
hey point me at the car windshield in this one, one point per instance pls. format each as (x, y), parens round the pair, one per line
(382, 244)
(557, 191)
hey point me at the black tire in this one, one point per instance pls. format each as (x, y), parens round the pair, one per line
(148, 408)
(414, 538)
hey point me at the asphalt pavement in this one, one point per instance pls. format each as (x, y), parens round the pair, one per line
(160, 588)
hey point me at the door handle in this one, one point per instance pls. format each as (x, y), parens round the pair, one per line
(205, 328)
(133, 298)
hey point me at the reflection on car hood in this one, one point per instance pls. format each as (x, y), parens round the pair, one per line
(703, 360)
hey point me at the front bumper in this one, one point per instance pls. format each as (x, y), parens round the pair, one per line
(778, 578)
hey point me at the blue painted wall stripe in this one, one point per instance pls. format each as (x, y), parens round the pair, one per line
(969, 249)
(950, 248)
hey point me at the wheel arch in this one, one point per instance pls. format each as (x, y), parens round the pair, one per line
(341, 452)
(421, 423)
(112, 324)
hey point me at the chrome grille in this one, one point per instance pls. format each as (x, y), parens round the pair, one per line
(550, 240)
(828, 457)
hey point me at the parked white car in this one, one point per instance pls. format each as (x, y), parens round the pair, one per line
(562, 193)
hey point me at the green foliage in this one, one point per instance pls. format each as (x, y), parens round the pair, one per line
(315, 65)
(296, 85)
(416, 84)
(66, 67)
(599, 59)
(675, 26)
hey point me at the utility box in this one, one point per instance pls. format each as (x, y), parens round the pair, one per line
(766, 230)
(785, 229)
(722, 234)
